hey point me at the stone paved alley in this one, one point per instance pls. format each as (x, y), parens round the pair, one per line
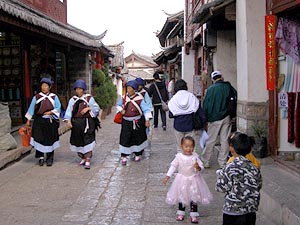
(108, 193)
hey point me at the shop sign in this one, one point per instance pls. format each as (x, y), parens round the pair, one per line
(283, 100)
(270, 29)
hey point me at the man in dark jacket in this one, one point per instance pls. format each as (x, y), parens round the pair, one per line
(215, 106)
(156, 101)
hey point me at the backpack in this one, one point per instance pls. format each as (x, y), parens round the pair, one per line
(231, 102)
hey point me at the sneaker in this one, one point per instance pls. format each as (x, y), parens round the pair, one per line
(137, 159)
(82, 162)
(164, 128)
(41, 161)
(87, 165)
(194, 219)
(179, 217)
(124, 161)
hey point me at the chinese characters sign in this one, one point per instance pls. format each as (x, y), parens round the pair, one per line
(283, 100)
(270, 23)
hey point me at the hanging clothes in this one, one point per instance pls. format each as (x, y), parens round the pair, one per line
(297, 122)
(291, 116)
(289, 73)
(288, 37)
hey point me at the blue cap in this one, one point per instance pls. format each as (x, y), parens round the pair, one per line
(140, 81)
(46, 80)
(79, 84)
(133, 84)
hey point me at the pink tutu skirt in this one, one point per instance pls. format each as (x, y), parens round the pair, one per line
(186, 189)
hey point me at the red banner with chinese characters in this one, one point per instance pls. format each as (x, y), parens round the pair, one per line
(271, 63)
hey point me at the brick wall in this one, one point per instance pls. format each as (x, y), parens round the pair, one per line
(57, 9)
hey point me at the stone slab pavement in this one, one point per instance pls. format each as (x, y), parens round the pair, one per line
(108, 193)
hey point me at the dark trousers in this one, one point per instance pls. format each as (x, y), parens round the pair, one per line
(193, 206)
(246, 219)
(158, 109)
(49, 155)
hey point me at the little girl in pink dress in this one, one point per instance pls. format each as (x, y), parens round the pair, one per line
(188, 187)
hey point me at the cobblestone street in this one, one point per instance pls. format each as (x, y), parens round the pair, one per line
(108, 193)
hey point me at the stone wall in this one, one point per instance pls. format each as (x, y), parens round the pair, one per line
(251, 114)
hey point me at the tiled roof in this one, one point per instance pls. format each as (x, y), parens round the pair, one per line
(23, 12)
(168, 53)
(209, 10)
(118, 52)
(170, 23)
(140, 73)
(147, 59)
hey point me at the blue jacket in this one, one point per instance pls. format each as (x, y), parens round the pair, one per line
(185, 123)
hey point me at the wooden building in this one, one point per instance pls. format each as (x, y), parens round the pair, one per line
(171, 41)
(37, 41)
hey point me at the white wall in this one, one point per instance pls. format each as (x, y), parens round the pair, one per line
(225, 57)
(188, 65)
(250, 44)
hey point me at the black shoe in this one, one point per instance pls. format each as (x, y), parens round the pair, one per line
(41, 161)
(155, 126)
(49, 162)
(164, 128)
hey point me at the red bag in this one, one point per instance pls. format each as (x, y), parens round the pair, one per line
(118, 118)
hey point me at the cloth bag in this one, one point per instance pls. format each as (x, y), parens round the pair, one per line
(164, 105)
(118, 118)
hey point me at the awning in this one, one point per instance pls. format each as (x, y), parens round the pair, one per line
(210, 10)
(20, 11)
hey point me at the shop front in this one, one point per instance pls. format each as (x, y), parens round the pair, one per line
(283, 75)
(33, 46)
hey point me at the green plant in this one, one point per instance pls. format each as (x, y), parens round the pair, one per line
(104, 89)
(259, 129)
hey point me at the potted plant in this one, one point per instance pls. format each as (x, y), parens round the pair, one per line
(105, 92)
(260, 139)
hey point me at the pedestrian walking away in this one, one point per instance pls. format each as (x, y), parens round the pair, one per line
(44, 109)
(141, 90)
(136, 115)
(182, 107)
(82, 117)
(215, 106)
(157, 101)
(241, 182)
(189, 186)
